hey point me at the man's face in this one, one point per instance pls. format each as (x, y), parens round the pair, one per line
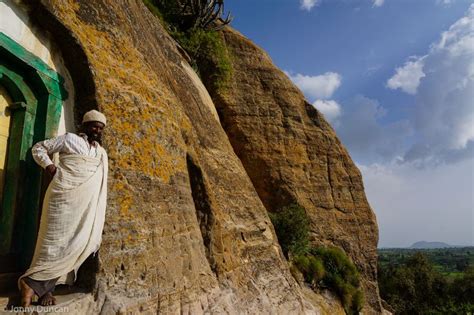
(93, 130)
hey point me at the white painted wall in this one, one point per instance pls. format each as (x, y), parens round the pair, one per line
(14, 23)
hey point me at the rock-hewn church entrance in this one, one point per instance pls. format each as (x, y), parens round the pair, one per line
(31, 95)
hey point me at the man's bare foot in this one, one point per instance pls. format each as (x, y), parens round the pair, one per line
(27, 294)
(47, 299)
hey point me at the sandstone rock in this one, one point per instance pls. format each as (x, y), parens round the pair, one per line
(185, 230)
(292, 155)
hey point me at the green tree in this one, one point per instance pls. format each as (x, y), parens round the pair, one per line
(416, 287)
(463, 288)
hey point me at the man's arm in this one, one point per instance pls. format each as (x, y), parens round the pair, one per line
(43, 149)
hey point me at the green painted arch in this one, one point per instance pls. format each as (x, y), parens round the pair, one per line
(37, 92)
(28, 58)
(23, 109)
(17, 89)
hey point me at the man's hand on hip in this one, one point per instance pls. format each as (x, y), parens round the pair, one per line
(51, 169)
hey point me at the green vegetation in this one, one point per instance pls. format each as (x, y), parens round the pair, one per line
(191, 14)
(151, 5)
(210, 57)
(331, 268)
(448, 261)
(292, 227)
(312, 269)
(422, 281)
(321, 267)
(205, 46)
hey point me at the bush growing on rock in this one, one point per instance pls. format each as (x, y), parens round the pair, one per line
(192, 14)
(329, 267)
(209, 55)
(311, 267)
(337, 265)
(203, 44)
(321, 267)
(292, 228)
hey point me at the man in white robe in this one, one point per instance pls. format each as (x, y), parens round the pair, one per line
(73, 210)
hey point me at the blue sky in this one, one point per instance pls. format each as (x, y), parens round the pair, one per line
(395, 78)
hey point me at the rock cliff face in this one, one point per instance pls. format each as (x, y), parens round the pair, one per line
(186, 230)
(292, 155)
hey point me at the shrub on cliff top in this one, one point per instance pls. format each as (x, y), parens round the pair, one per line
(193, 14)
(209, 55)
(205, 46)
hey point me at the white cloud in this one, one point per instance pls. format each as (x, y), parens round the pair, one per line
(404, 190)
(330, 109)
(406, 198)
(362, 131)
(317, 87)
(378, 3)
(459, 38)
(308, 4)
(445, 100)
(442, 82)
(454, 44)
(408, 77)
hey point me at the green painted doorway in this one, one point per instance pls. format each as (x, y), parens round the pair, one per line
(31, 96)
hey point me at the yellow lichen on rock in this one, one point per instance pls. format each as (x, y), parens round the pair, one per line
(185, 229)
(129, 93)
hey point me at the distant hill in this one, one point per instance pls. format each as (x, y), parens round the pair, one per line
(423, 244)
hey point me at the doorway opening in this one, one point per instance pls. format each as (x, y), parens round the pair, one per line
(31, 96)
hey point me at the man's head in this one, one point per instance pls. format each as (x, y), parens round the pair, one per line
(93, 124)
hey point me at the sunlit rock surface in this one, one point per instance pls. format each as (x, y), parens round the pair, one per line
(187, 229)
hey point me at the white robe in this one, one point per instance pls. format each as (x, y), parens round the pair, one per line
(72, 219)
